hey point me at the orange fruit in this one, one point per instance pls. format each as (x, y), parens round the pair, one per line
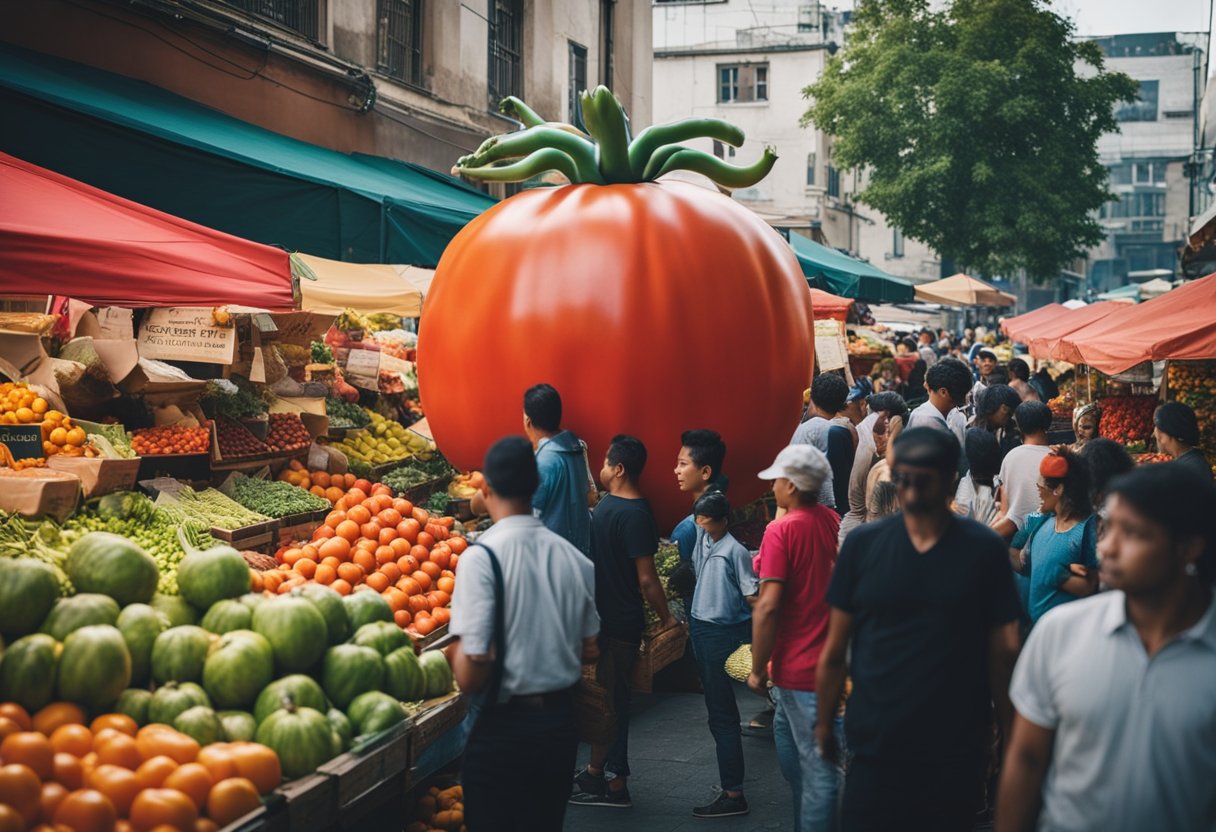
(447, 585)
(392, 570)
(397, 600)
(68, 770)
(231, 799)
(348, 529)
(163, 808)
(30, 749)
(359, 515)
(365, 560)
(426, 540)
(334, 518)
(325, 574)
(56, 714)
(423, 578)
(389, 516)
(387, 535)
(73, 739)
(20, 789)
(409, 586)
(194, 780)
(152, 773)
(351, 573)
(341, 587)
(50, 798)
(333, 494)
(258, 764)
(306, 567)
(441, 615)
(431, 568)
(219, 760)
(377, 581)
(408, 564)
(18, 714)
(118, 784)
(371, 530)
(86, 810)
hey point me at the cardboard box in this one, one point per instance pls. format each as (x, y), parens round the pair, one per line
(36, 492)
(99, 476)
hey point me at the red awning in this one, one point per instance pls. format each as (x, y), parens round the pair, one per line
(1178, 325)
(1022, 327)
(1045, 337)
(59, 236)
(827, 305)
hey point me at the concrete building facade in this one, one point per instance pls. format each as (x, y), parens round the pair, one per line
(747, 63)
(417, 80)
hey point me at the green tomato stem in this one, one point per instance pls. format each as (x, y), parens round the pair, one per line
(609, 129)
(549, 158)
(525, 142)
(512, 106)
(722, 174)
(653, 138)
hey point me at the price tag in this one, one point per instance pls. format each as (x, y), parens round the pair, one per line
(393, 364)
(363, 364)
(186, 334)
(831, 352)
(24, 441)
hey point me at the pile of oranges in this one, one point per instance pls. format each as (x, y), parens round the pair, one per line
(372, 541)
(332, 487)
(19, 405)
(57, 768)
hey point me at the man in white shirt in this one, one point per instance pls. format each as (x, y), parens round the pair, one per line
(948, 382)
(1020, 469)
(525, 656)
(1115, 726)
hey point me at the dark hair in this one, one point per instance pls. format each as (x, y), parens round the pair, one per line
(998, 376)
(1076, 484)
(1019, 369)
(1178, 420)
(543, 405)
(1179, 499)
(706, 448)
(927, 448)
(712, 504)
(890, 403)
(1106, 459)
(510, 468)
(1032, 417)
(829, 392)
(991, 398)
(983, 454)
(885, 499)
(630, 452)
(953, 375)
(910, 343)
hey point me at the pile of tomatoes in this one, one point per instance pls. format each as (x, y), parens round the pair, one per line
(170, 439)
(372, 541)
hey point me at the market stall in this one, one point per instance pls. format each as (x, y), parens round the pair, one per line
(1018, 327)
(833, 271)
(332, 287)
(963, 290)
(1043, 339)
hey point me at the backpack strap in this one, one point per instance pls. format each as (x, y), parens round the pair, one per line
(500, 627)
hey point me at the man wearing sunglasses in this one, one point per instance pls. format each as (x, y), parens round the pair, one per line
(926, 602)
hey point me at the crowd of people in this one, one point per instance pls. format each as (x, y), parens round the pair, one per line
(951, 615)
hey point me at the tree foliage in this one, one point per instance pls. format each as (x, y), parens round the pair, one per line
(977, 124)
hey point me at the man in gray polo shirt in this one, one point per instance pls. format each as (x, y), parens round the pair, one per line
(1116, 694)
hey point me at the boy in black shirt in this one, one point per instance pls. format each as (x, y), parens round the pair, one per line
(624, 539)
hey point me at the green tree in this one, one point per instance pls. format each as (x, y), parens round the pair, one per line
(977, 124)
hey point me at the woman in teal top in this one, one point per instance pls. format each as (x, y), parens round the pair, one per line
(1061, 556)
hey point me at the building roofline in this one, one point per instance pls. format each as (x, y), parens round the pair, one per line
(695, 51)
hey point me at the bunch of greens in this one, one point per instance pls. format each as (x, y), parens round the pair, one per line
(243, 404)
(344, 414)
(210, 507)
(25, 538)
(274, 498)
(416, 471)
(321, 353)
(438, 504)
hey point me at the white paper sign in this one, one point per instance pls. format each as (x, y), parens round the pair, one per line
(363, 364)
(115, 323)
(831, 352)
(186, 334)
(393, 364)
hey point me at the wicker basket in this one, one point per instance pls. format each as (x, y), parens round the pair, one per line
(656, 653)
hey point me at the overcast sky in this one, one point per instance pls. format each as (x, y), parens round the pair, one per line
(1116, 17)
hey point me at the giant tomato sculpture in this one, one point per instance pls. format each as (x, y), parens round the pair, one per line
(653, 307)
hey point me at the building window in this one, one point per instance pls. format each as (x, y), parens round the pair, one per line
(400, 39)
(303, 16)
(742, 82)
(810, 169)
(608, 42)
(1144, 108)
(506, 49)
(577, 66)
(833, 182)
(897, 243)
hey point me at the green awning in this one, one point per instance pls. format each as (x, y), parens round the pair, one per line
(829, 270)
(160, 149)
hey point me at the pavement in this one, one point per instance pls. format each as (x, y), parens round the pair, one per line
(671, 753)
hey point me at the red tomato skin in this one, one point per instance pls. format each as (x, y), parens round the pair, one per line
(653, 308)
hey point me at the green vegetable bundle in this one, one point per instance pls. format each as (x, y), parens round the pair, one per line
(343, 414)
(28, 538)
(321, 353)
(275, 498)
(212, 508)
(116, 435)
(244, 404)
(417, 471)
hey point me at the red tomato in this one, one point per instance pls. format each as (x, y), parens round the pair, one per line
(653, 309)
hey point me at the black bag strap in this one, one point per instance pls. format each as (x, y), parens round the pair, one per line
(500, 628)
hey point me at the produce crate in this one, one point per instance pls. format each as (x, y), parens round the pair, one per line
(270, 816)
(380, 758)
(435, 717)
(299, 526)
(98, 476)
(655, 654)
(419, 494)
(260, 537)
(430, 639)
(312, 801)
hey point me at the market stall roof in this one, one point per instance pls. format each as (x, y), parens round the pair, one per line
(63, 237)
(1177, 325)
(331, 286)
(1021, 327)
(830, 270)
(1128, 294)
(1075, 303)
(1155, 287)
(144, 143)
(963, 290)
(1046, 337)
(827, 305)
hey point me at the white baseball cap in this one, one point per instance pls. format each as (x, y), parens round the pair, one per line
(804, 465)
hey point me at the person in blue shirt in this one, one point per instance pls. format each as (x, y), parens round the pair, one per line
(1061, 556)
(561, 501)
(698, 470)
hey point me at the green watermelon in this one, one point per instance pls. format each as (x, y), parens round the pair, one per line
(297, 688)
(27, 671)
(140, 625)
(237, 669)
(253, 599)
(175, 608)
(201, 723)
(329, 602)
(373, 712)
(295, 629)
(438, 673)
(349, 670)
(302, 737)
(204, 577)
(178, 654)
(366, 607)
(28, 589)
(70, 614)
(95, 666)
(342, 727)
(112, 565)
(403, 676)
(134, 703)
(382, 636)
(173, 699)
(239, 726)
(226, 616)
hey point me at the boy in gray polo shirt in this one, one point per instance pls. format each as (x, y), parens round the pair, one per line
(1116, 694)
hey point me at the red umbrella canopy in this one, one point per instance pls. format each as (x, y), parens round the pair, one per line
(59, 236)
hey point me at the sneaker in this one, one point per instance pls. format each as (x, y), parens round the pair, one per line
(612, 798)
(723, 806)
(587, 783)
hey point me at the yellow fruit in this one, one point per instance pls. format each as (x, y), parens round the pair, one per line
(39, 405)
(54, 416)
(25, 415)
(59, 437)
(76, 436)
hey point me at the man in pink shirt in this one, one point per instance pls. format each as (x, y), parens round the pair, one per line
(790, 624)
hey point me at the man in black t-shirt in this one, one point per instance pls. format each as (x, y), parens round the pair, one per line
(926, 601)
(624, 539)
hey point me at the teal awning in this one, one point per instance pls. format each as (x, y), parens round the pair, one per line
(168, 152)
(1129, 292)
(829, 270)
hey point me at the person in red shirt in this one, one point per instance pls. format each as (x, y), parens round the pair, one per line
(790, 625)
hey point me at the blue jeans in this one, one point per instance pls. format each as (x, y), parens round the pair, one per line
(712, 644)
(816, 783)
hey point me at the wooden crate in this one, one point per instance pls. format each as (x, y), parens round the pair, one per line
(381, 758)
(435, 717)
(299, 526)
(265, 529)
(657, 653)
(312, 801)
